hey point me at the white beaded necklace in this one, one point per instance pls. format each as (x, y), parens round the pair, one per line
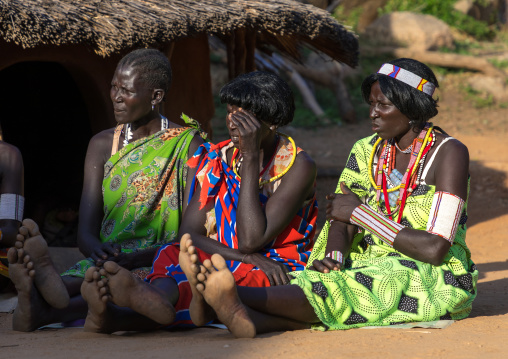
(128, 131)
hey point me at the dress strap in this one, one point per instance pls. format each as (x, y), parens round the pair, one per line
(431, 160)
(116, 139)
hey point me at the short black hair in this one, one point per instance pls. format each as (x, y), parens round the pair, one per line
(414, 104)
(153, 65)
(263, 93)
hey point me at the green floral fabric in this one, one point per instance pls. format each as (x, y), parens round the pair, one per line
(143, 190)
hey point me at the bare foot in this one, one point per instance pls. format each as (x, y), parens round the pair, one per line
(125, 290)
(97, 319)
(47, 281)
(219, 290)
(200, 312)
(29, 314)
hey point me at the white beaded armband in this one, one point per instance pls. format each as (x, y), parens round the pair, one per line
(382, 227)
(445, 215)
(336, 255)
(12, 206)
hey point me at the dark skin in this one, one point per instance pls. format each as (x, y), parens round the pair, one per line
(256, 226)
(11, 181)
(286, 308)
(132, 100)
(257, 142)
(449, 173)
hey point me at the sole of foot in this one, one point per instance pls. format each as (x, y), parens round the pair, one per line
(200, 312)
(47, 281)
(31, 308)
(219, 290)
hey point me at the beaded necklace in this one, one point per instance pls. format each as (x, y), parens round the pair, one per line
(236, 166)
(128, 131)
(407, 150)
(411, 178)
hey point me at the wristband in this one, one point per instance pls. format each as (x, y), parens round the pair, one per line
(384, 228)
(445, 215)
(336, 255)
(12, 206)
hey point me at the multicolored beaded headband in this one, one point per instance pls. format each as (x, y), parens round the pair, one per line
(408, 77)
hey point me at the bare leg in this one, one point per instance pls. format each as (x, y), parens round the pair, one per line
(217, 285)
(200, 312)
(287, 301)
(126, 290)
(46, 279)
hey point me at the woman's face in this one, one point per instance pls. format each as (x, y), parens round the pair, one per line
(233, 130)
(131, 97)
(387, 121)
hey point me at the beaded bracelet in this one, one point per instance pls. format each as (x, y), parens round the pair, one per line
(12, 206)
(382, 227)
(336, 255)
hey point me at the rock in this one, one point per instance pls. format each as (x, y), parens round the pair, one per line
(494, 86)
(485, 10)
(416, 31)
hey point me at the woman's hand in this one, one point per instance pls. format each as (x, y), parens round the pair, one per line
(342, 205)
(106, 252)
(276, 272)
(249, 130)
(325, 265)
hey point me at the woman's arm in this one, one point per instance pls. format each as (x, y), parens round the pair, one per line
(450, 174)
(340, 238)
(91, 205)
(193, 223)
(11, 181)
(257, 227)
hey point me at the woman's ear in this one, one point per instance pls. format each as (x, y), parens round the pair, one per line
(158, 96)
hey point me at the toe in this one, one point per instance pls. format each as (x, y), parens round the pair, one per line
(12, 255)
(89, 274)
(31, 226)
(111, 267)
(219, 262)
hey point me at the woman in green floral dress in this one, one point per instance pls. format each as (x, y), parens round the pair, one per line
(134, 191)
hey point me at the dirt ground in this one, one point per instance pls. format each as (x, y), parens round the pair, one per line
(484, 333)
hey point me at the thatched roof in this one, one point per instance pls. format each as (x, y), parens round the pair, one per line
(110, 26)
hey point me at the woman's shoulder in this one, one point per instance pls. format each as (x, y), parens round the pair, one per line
(9, 151)
(448, 146)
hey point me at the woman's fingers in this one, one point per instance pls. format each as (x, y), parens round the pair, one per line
(345, 189)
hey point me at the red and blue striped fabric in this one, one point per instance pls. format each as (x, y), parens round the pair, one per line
(291, 247)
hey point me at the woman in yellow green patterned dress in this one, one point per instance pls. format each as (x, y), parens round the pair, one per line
(393, 249)
(133, 199)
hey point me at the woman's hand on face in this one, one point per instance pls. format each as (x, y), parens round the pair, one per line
(249, 130)
(341, 206)
(276, 272)
(326, 265)
(106, 252)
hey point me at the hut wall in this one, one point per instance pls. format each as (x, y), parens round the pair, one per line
(91, 73)
(191, 90)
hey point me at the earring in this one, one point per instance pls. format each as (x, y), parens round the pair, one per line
(272, 128)
(411, 123)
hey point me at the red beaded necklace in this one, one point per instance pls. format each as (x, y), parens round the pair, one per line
(421, 146)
